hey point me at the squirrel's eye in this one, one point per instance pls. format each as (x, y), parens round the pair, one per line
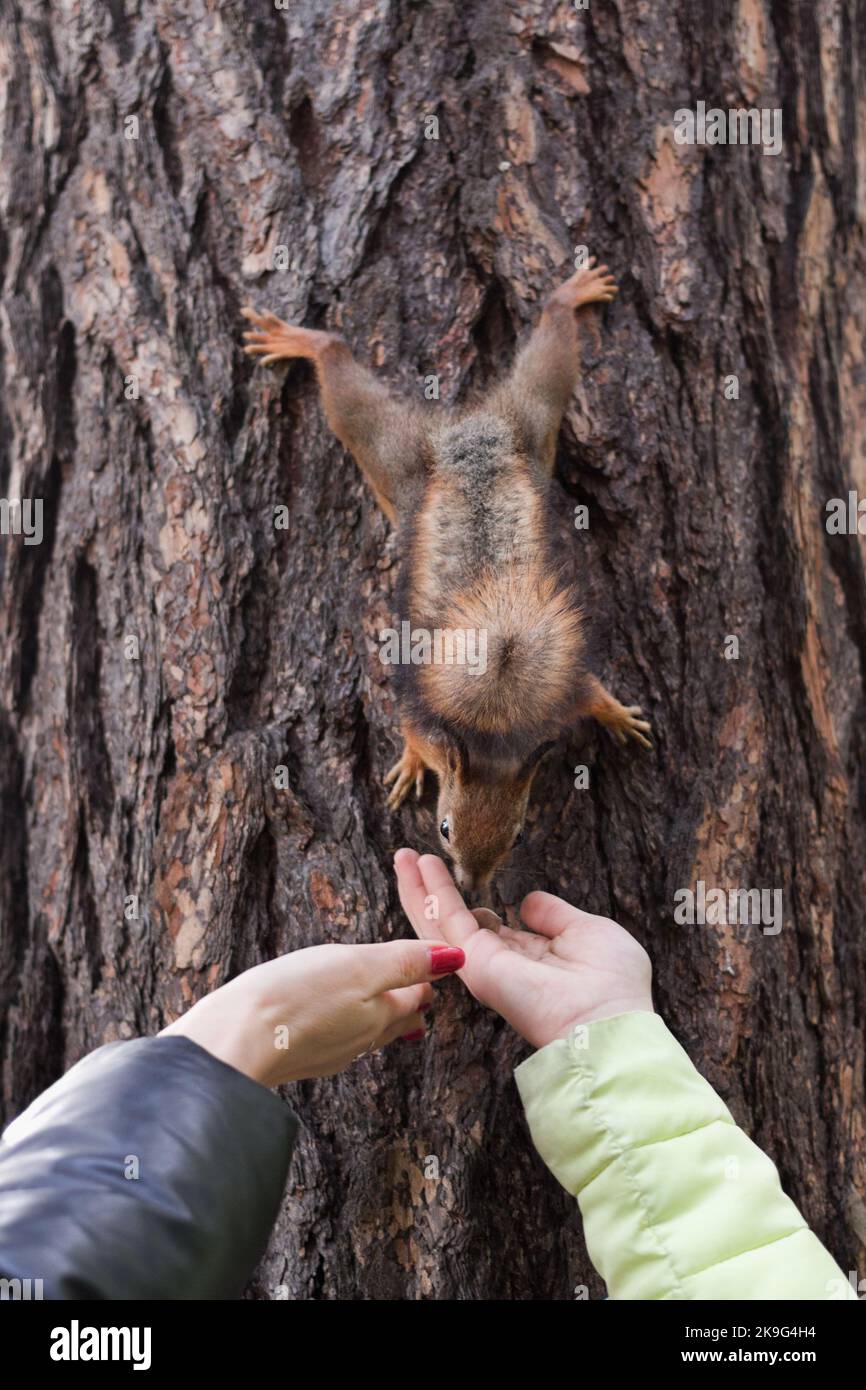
(445, 829)
(517, 839)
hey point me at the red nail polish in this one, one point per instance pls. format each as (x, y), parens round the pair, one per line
(414, 1037)
(446, 959)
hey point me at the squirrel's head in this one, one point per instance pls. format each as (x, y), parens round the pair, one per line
(481, 812)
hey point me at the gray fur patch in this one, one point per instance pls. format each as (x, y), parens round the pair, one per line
(474, 447)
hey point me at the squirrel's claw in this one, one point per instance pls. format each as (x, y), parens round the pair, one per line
(267, 321)
(633, 727)
(592, 284)
(272, 340)
(267, 338)
(408, 769)
(267, 343)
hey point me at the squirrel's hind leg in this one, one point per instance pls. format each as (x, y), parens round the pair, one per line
(622, 720)
(538, 388)
(384, 434)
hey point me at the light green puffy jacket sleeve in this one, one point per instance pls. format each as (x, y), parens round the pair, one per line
(677, 1202)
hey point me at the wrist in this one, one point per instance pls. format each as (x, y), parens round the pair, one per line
(234, 1035)
(610, 1008)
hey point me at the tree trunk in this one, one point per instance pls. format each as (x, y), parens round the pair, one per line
(167, 646)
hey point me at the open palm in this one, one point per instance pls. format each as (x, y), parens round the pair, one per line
(568, 968)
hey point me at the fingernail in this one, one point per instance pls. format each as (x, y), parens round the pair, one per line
(414, 1037)
(446, 959)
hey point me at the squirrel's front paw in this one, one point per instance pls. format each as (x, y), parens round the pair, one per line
(627, 725)
(591, 284)
(410, 768)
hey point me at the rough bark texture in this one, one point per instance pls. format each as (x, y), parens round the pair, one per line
(130, 258)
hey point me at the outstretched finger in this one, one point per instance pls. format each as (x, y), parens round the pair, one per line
(413, 895)
(453, 918)
(430, 899)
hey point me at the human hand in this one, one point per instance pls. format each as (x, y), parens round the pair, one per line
(568, 968)
(310, 1013)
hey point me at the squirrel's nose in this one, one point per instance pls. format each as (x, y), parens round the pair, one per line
(464, 879)
(471, 884)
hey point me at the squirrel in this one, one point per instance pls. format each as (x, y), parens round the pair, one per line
(468, 490)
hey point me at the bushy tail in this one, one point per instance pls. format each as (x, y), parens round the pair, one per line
(526, 651)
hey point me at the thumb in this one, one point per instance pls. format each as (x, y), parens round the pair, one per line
(395, 964)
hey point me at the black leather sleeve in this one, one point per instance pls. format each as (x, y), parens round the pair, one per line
(211, 1151)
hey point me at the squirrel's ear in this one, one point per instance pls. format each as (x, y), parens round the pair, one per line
(457, 756)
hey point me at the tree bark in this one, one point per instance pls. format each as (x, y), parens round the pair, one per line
(161, 453)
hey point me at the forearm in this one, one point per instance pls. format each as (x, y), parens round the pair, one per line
(150, 1170)
(677, 1202)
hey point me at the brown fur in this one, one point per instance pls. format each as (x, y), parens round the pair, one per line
(470, 495)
